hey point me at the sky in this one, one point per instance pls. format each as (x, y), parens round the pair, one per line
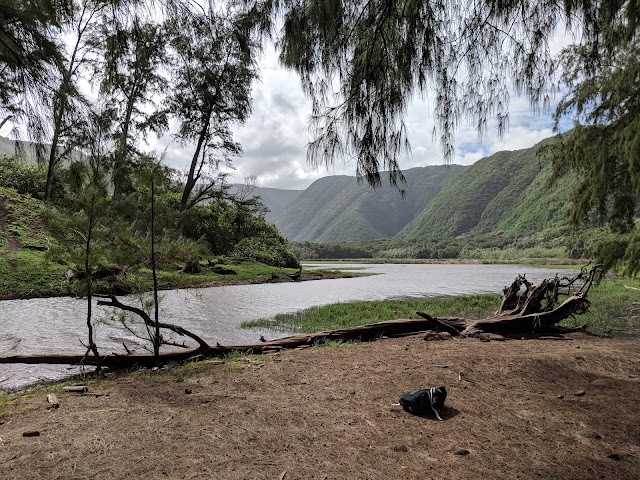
(274, 138)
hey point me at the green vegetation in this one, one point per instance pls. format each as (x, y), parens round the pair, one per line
(342, 315)
(611, 311)
(504, 192)
(612, 305)
(499, 209)
(341, 209)
(39, 244)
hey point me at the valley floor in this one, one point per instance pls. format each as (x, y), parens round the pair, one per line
(516, 409)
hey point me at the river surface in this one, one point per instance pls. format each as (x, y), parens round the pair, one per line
(57, 325)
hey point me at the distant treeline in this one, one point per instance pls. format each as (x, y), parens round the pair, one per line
(496, 246)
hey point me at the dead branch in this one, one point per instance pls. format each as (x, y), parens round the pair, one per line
(112, 301)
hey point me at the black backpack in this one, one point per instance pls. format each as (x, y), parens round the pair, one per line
(424, 401)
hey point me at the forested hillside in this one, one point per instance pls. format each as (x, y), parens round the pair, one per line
(338, 208)
(506, 191)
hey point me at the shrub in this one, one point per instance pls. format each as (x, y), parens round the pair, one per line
(22, 177)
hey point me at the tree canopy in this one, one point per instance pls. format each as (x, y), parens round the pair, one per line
(362, 63)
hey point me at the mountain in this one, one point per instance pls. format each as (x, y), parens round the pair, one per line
(275, 199)
(26, 150)
(506, 191)
(339, 208)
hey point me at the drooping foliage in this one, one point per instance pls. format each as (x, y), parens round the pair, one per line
(362, 63)
(29, 59)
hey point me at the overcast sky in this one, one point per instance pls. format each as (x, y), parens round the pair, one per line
(275, 136)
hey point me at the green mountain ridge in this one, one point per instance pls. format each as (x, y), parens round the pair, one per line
(340, 209)
(507, 191)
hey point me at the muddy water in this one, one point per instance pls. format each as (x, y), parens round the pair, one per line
(56, 325)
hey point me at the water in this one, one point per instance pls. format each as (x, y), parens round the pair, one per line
(57, 325)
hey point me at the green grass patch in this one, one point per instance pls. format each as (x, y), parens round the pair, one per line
(611, 306)
(24, 218)
(342, 315)
(611, 311)
(27, 272)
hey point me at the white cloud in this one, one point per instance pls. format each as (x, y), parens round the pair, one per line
(275, 137)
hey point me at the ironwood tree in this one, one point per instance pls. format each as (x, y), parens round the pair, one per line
(214, 65)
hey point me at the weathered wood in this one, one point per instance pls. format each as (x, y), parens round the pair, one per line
(533, 311)
(115, 361)
(75, 388)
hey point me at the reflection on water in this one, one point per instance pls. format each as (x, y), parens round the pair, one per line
(56, 325)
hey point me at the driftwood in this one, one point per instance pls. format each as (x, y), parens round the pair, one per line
(112, 301)
(369, 332)
(535, 311)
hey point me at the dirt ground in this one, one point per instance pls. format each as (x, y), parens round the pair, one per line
(523, 409)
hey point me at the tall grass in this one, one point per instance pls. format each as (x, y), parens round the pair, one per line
(342, 315)
(612, 307)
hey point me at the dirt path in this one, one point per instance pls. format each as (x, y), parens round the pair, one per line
(323, 413)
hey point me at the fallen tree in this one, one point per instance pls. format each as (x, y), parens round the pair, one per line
(534, 311)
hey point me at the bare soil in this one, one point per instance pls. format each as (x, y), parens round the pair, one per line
(520, 409)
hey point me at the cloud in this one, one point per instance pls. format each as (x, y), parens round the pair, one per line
(274, 138)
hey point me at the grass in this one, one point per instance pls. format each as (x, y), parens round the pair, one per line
(611, 306)
(342, 315)
(611, 310)
(26, 272)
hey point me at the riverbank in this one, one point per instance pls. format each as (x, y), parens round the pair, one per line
(23, 282)
(515, 409)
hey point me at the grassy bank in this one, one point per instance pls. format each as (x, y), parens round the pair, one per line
(341, 315)
(612, 310)
(29, 274)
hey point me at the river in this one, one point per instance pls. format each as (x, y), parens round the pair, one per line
(57, 325)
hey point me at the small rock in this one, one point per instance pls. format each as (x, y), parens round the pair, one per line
(590, 434)
(400, 448)
(579, 393)
(31, 433)
(187, 391)
(603, 383)
(431, 336)
(486, 337)
(53, 400)
(560, 397)
(615, 456)
(155, 369)
(462, 452)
